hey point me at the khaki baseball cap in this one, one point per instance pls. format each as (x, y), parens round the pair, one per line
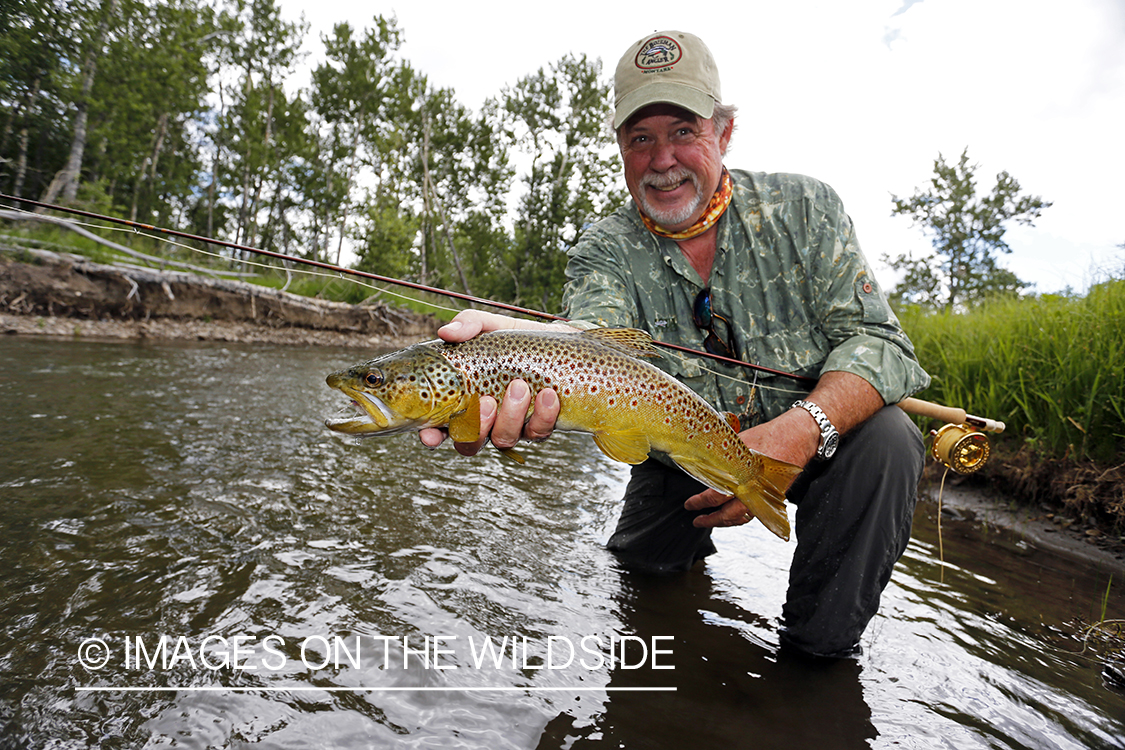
(667, 67)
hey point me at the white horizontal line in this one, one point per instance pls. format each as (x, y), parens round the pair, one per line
(310, 689)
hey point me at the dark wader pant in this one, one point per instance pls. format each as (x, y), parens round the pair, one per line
(854, 514)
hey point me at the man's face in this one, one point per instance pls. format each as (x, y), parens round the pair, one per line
(673, 162)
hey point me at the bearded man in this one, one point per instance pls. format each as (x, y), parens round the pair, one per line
(761, 267)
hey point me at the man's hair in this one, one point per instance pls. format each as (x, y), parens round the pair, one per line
(720, 118)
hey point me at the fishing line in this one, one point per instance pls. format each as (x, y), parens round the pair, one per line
(168, 241)
(136, 226)
(940, 544)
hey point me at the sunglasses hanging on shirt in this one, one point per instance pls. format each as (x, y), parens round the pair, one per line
(704, 316)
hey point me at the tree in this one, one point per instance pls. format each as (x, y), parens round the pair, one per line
(151, 87)
(262, 128)
(35, 40)
(348, 95)
(66, 181)
(967, 233)
(558, 117)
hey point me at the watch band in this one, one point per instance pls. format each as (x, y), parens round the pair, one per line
(829, 437)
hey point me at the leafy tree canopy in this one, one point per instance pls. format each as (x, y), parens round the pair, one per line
(967, 233)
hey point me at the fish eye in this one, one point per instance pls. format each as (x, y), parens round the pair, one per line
(373, 379)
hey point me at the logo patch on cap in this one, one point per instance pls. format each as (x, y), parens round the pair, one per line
(659, 53)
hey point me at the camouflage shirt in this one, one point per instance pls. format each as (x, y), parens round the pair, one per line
(789, 275)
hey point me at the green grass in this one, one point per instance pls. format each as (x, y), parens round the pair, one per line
(1050, 367)
(353, 290)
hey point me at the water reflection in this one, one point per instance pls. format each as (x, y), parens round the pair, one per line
(732, 685)
(189, 490)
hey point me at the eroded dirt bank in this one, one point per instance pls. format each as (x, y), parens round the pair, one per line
(65, 295)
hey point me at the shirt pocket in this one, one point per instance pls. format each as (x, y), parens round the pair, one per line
(872, 301)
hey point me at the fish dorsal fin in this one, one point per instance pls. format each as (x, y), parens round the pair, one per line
(633, 340)
(629, 446)
(732, 420)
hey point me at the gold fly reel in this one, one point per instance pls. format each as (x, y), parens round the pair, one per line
(960, 447)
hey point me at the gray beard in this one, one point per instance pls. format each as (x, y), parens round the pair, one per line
(671, 217)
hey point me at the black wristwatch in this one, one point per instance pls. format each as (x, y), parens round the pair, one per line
(829, 438)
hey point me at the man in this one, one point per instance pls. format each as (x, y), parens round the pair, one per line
(766, 268)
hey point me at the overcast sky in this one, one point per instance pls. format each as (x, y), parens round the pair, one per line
(862, 94)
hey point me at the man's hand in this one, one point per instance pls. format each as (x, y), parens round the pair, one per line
(505, 425)
(786, 439)
(794, 436)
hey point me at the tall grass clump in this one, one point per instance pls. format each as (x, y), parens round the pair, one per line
(1049, 366)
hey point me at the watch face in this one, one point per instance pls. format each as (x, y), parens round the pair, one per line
(830, 446)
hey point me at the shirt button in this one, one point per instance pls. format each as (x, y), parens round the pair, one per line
(740, 400)
(867, 287)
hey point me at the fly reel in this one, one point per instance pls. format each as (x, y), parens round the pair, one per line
(960, 447)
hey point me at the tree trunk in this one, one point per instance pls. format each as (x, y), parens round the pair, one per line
(428, 189)
(255, 206)
(348, 187)
(25, 133)
(66, 181)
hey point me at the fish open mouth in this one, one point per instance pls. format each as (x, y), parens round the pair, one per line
(366, 416)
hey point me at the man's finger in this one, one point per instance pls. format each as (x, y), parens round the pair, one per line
(457, 331)
(730, 512)
(432, 437)
(705, 499)
(542, 422)
(510, 415)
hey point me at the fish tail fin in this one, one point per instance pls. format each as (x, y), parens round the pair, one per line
(764, 496)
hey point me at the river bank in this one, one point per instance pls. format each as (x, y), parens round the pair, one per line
(60, 294)
(68, 296)
(1037, 526)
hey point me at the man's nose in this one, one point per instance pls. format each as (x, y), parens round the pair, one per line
(663, 156)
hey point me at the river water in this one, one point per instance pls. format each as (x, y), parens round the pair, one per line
(189, 559)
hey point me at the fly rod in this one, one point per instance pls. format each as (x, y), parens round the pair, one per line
(138, 226)
(963, 447)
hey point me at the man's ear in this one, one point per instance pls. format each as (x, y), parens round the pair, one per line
(724, 137)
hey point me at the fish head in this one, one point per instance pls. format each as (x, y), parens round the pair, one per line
(403, 391)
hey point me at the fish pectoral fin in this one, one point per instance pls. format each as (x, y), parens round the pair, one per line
(764, 496)
(512, 454)
(733, 421)
(627, 446)
(464, 426)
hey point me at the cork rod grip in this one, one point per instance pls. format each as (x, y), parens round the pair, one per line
(948, 414)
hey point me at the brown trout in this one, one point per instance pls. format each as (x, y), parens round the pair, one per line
(628, 405)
